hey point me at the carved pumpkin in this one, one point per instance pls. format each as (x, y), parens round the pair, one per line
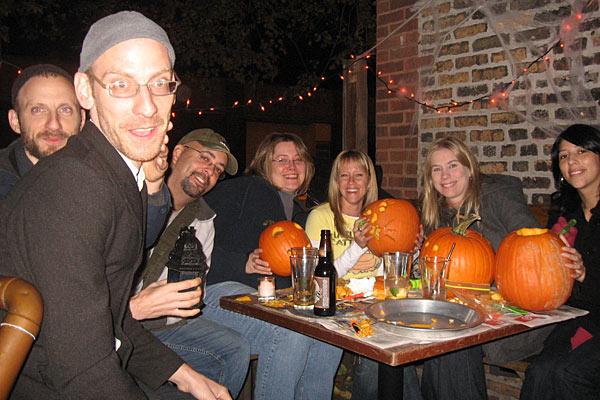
(395, 226)
(277, 240)
(530, 272)
(472, 259)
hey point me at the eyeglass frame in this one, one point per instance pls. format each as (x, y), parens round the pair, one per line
(285, 162)
(220, 175)
(108, 86)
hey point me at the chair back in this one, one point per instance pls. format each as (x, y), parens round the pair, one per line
(19, 328)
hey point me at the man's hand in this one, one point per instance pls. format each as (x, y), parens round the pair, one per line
(199, 386)
(156, 168)
(161, 299)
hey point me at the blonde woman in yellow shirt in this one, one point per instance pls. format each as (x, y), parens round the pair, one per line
(352, 186)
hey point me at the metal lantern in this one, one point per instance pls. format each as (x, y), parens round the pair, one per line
(187, 260)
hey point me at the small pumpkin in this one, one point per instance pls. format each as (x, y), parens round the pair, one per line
(472, 258)
(530, 272)
(277, 240)
(395, 225)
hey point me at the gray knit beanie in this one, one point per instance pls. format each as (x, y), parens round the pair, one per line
(117, 28)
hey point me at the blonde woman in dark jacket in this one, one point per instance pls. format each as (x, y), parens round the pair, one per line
(453, 188)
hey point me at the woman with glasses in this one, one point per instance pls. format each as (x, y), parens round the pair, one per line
(290, 365)
(280, 171)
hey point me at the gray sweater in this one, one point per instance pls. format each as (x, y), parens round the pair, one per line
(503, 209)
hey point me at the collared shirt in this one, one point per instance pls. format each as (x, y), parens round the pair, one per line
(138, 173)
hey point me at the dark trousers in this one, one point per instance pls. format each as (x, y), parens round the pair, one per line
(561, 373)
(456, 375)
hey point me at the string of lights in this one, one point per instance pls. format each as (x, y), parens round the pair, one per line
(492, 96)
(262, 104)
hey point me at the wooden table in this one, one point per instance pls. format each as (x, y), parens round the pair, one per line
(390, 378)
(393, 356)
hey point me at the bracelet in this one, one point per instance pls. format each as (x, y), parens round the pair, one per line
(19, 328)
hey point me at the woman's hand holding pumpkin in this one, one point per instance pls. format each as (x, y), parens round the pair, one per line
(575, 262)
(419, 240)
(256, 265)
(362, 227)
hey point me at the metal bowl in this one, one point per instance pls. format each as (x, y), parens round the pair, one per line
(424, 318)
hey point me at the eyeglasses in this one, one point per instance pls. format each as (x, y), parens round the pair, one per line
(123, 87)
(206, 160)
(286, 162)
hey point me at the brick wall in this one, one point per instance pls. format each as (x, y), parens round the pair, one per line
(454, 52)
(399, 61)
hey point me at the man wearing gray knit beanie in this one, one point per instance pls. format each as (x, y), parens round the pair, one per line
(74, 226)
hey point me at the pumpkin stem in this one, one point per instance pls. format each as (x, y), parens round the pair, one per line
(461, 229)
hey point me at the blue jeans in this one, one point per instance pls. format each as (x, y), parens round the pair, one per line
(211, 349)
(290, 365)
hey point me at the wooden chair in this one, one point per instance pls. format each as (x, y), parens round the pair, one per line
(19, 328)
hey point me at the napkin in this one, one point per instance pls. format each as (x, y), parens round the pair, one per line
(362, 285)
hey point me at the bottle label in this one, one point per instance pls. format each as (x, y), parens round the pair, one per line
(321, 292)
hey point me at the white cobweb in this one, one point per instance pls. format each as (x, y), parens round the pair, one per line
(557, 90)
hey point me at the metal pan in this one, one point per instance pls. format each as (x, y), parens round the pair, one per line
(424, 318)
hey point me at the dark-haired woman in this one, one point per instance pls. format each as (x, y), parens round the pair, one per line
(569, 365)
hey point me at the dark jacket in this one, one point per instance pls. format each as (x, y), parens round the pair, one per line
(585, 294)
(74, 228)
(245, 206)
(503, 209)
(14, 163)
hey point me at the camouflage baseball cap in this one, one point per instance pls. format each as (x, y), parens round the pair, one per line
(212, 140)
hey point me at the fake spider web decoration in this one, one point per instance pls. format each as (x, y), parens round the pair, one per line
(553, 74)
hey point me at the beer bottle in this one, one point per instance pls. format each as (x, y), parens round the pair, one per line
(325, 278)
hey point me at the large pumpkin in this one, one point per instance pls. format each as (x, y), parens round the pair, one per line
(472, 259)
(530, 272)
(395, 226)
(277, 240)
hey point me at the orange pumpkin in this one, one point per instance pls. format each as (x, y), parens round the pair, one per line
(395, 226)
(277, 240)
(530, 272)
(472, 259)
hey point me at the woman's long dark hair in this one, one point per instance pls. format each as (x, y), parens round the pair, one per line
(566, 199)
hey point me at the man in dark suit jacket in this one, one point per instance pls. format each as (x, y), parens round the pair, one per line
(45, 114)
(74, 227)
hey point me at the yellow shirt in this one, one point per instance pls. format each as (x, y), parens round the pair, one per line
(350, 260)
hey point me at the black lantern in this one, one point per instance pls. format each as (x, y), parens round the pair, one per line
(187, 260)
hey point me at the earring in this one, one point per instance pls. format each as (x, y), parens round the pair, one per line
(562, 179)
